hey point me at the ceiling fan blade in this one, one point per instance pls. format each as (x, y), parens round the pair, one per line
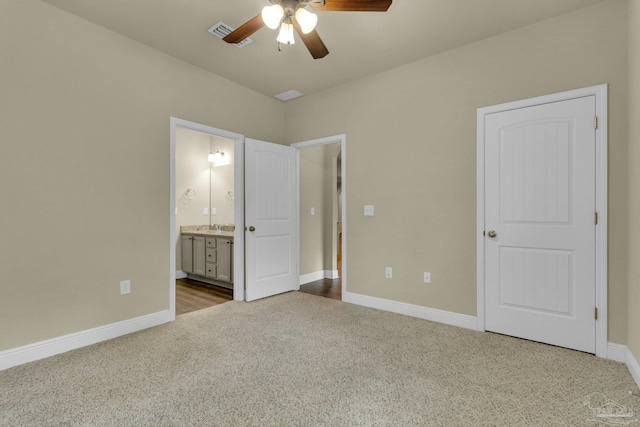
(312, 41)
(245, 30)
(355, 5)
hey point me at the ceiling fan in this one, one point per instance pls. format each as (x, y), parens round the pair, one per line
(291, 14)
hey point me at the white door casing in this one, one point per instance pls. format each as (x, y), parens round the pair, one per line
(271, 219)
(541, 277)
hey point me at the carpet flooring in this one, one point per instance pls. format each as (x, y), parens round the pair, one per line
(302, 360)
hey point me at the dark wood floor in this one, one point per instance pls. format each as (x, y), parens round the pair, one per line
(192, 295)
(328, 288)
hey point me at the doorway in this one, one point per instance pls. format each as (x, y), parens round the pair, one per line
(205, 207)
(322, 213)
(541, 211)
(209, 197)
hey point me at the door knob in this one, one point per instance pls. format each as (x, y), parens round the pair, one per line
(492, 234)
(252, 228)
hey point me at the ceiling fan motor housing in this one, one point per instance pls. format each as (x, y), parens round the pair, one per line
(294, 4)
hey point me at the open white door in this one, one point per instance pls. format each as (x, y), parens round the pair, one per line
(271, 219)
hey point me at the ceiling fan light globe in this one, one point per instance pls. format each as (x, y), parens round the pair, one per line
(286, 34)
(306, 19)
(272, 15)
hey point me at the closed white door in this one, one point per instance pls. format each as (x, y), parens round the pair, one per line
(540, 223)
(270, 218)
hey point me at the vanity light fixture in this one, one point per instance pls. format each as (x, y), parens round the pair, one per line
(216, 156)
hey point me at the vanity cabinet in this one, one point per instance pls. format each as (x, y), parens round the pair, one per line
(193, 254)
(225, 259)
(207, 256)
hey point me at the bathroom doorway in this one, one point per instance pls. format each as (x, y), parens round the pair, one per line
(204, 216)
(207, 238)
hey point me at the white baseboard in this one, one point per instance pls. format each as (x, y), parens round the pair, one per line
(311, 277)
(616, 352)
(40, 350)
(181, 274)
(331, 274)
(318, 275)
(634, 367)
(621, 353)
(433, 314)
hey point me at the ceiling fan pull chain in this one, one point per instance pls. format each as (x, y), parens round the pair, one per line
(279, 47)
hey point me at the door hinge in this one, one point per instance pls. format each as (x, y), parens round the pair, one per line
(595, 122)
(595, 313)
(596, 218)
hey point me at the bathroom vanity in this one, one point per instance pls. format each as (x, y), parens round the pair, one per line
(207, 255)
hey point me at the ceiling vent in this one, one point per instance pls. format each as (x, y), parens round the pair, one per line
(221, 30)
(285, 96)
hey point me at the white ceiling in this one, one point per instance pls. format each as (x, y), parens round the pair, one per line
(360, 43)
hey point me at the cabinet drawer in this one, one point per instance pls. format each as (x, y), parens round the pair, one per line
(211, 255)
(211, 271)
(211, 242)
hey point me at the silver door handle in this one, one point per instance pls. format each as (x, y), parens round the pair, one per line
(492, 234)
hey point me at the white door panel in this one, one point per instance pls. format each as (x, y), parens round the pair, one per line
(540, 202)
(271, 209)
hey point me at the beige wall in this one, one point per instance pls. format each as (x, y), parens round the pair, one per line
(633, 307)
(331, 152)
(318, 189)
(84, 170)
(312, 227)
(411, 152)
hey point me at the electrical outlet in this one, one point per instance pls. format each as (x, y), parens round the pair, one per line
(205, 211)
(388, 272)
(214, 211)
(369, 210)
(427, 277)
(125, 287)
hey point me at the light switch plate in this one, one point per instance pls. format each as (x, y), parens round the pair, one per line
(313, 211)
(125, 287)
(368, 210)
(205, 211)
(214, 211)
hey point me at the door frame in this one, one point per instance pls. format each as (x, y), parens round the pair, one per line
(601, 95)
(342, 139)
(238, 211)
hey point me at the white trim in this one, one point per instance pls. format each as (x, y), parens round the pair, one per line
(318, 275)
(238, 188)
(426, 313)
(331, 274)
(634, 366)
(40, 350)
(311, 277)
(181, 274)
(341, 138)
(621, 353)
(617, 352)
(601, 94)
